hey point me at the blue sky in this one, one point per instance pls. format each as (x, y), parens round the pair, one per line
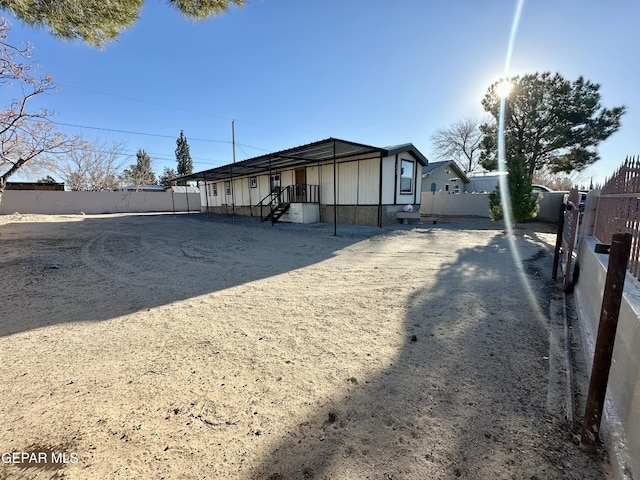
(291, 72)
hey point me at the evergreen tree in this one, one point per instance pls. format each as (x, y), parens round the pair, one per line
(166, 176)
(183, 157)
(140, 173)
(550, 122)
(97, 22)
(523, 204)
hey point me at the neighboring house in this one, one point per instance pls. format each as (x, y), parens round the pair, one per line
(142, 188)
(35, 186)
(183, 189)
(330, 180)
(444, 176)
(484, 181)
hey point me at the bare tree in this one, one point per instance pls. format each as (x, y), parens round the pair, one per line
(91, 165)
(460, 142)
(26, 137)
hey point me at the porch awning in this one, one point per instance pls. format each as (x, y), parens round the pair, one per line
(312, 153)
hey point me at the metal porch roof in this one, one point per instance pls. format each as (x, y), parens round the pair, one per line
(311, 153)
(315, 152)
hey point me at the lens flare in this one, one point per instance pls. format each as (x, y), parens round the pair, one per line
(504, 89)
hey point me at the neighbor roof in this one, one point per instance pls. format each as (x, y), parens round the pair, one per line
(447, 163)
(311, 153)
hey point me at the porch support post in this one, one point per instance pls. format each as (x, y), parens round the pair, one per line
(319, 185)
(335, 194)
(233, 197)
(186, 196)
(270, 193)
(380, 194)
(206, 193)
(250, 205)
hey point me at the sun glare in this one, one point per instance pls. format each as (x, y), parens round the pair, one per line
(504, 88)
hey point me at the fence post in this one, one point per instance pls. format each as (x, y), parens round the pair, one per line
(556, 255)
(611, 300)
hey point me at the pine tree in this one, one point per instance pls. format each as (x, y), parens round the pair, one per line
(166, 176)
(183, 157)
(141, 173)
(97, 22)
(524, 204)
(551, 122)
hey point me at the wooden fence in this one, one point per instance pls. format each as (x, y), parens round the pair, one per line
(619, 209)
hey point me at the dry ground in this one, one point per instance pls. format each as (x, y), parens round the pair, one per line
(179, 348)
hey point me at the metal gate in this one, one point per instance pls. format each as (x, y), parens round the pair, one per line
(569, 231)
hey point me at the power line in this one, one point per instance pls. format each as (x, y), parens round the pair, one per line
(144, 101)
(128, 132)
(156, 156)
(157, 104)
(141, 133)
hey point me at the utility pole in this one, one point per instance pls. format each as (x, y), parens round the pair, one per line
(233, 139)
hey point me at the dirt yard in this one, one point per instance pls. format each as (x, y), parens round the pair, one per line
(175, 347)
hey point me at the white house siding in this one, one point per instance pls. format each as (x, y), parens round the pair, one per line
(214, 200)
(217, 199)
(347, 183)
(326, 187)
(253, 194)
(203, 194)
(313, 177)
(263, 187)
(391, 181)
(227, 199)
(287, 178)
(241, 191)
(369, 182)
(358, 183)
(388, 179)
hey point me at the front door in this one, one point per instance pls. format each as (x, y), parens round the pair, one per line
(301, 187)
(275, 182)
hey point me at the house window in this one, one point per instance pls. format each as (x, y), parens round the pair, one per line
(253, 182)
(213, 189)
(433, 187)
(275, 181)
(227, 188)
(406, 177)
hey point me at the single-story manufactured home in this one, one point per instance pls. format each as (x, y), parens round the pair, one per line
(330, 180)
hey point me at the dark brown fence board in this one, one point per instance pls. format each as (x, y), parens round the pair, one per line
(619, 209)
(571, 216)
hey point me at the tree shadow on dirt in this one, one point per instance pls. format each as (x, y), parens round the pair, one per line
(101, 268)
(465, 396)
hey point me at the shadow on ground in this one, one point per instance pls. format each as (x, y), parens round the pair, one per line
(86, 264)
(465, 397)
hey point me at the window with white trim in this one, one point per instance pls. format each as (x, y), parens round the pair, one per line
(406, 177)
